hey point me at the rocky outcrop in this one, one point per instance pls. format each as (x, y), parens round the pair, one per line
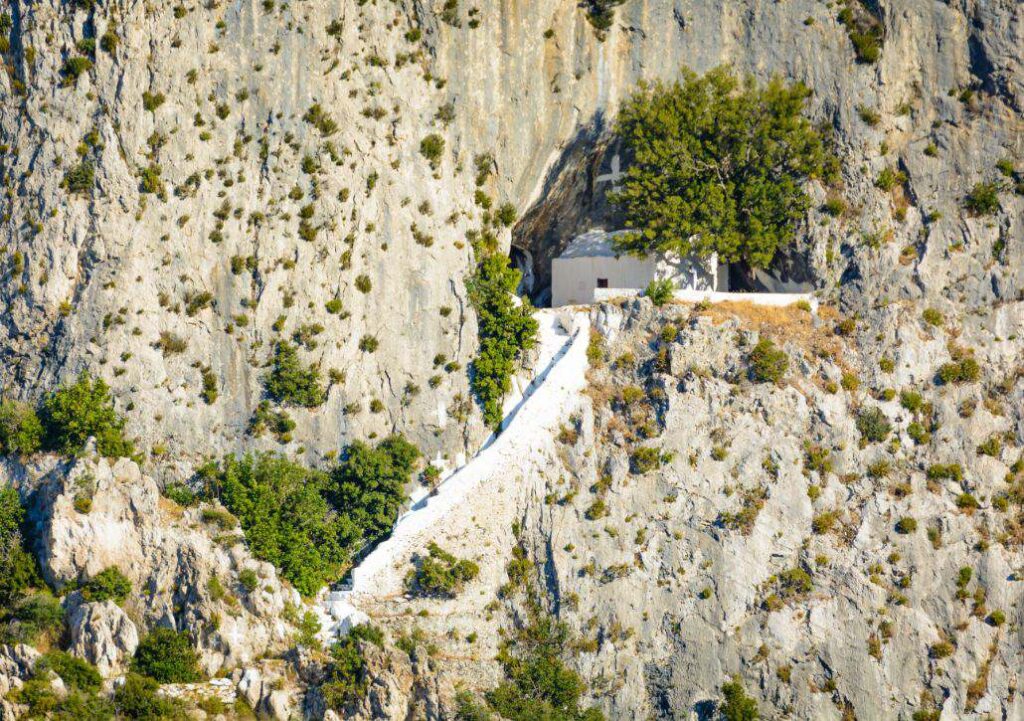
(183, 566)
(104, 635)
(767, 536)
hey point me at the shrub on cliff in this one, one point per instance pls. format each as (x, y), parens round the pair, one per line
(768, 364)
(167, 656)
(107, 585)
(308, 523)
(719, 166)
(506, 329)
(70, 415)
(21, 432)
(441, 573)
(291, 383)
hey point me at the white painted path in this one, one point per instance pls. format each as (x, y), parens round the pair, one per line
(532, 414)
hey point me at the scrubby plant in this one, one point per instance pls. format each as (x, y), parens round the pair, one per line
(645, 459)
(440, 573)
(873, 425)
(906, 525)
(767, 364)
(18, 569)
(660, 291)
(79, 178)
(76, 674)
(506, 329)
(107, 585)
(736, 705)
(719, 166)
(21, 431)
(432, 148)
(983, 199)
(167, 656)
(84, 409)
(321, 120)
(346, 679)
(138, 698)
(958, 371)
(290, 382)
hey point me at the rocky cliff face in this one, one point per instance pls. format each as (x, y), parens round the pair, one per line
(211, 178)
(219, 217)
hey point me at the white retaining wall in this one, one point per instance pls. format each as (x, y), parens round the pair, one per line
(776, 300)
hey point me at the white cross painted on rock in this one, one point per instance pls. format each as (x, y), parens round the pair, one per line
(615, 176)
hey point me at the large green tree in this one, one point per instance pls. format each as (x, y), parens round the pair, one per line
(719, 165)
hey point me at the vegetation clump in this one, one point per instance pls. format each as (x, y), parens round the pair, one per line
(719, 166)
(660, 291)
(289, 382)
(506, 329)
(312, 524)
(18, 570)
(874, 427)
(84, 409)
(21, 432)
(167, 656)
(107, 585)
(767, 363)
(441, 573)
(346, 679)
(432, 148)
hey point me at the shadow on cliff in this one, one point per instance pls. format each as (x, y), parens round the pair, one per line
(571, 202)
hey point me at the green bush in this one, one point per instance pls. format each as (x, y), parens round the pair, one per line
(287, 521)
(311, 524)
(660, 291)
(441, 574)
(72, 414)
(36, 616)
(107, 585)
(645, 459)
(945, 471)
(601, 14)
(167, 656)
(906, 525)
(249, 580)
(75, 66)
(964, 370)
(368, 486)
(737, 706)
(290, 383)
(767, 364)
(346, 681)
(79, 178)
(21, 432)
(18, 569)
(538, 684)
(432, 148)
(874, 427)
(74, 672)
(719, 166)
(505, 329)
(137, 698)
(983, 199)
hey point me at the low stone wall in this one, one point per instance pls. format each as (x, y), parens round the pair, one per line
(777, 300)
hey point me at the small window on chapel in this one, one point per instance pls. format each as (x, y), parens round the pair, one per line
(602, 282)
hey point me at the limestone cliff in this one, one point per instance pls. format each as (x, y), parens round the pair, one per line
(188, 183)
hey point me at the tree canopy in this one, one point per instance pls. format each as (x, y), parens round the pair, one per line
(312, 524)
(719, 165)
